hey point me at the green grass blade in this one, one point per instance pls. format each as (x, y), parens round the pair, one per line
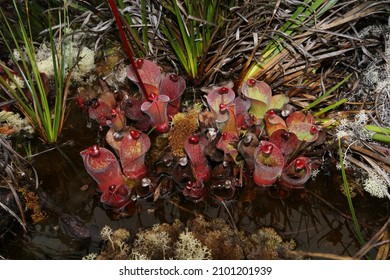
(348, 195)
(40, 102)
(141, 50)
(59, 72)
(299, 17)
(378, 129)
(381, 134)
(381, 137)
(177, 47)
(145, 37)
(33, 111)
(46, 122)
(330, 91)
(330, 107)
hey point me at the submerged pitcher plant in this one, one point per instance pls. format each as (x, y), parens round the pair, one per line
(269, 162)
(287, 142)
(105, 169)
(303, 126)
(118, 120)
(194, 190)
(173, 86)
(149, 73)
(100, 109)
(239, 136)
(228, 144)
(134, 147)
(132, 108)
(116, 196)
(100, 112)
(194, 147)
(103, 166)
(246, 147)
(296, 174)
(241, 110)
(288, 137)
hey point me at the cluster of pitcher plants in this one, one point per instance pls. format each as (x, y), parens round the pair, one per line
(250, 135)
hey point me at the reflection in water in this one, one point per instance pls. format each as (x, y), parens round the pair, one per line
(299, 217)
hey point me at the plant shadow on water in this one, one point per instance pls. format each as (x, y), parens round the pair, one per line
(305, 216)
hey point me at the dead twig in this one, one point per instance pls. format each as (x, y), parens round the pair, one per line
(373, 242)
(371, 154)
(320, 255)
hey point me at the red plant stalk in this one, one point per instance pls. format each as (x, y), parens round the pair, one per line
(115, 12)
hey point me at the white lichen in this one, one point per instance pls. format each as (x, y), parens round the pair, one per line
(44, 59)
(106, 232)
(119, 239)
(135, 255)
(268, 244)
(87, 62)
(371, 76)
(78, 59)
(122, 247)
(120, 234)
(314, 173)
(375, 79)
(361, 118)
(15, 122)
(20, 54)
(376, 185)
(152, 242)
(190, 248)
(353, 131)
(91, 256)
(16, 83)
(200, 240)
(341, 134)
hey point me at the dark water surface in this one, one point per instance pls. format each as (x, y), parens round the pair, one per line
(317, 219)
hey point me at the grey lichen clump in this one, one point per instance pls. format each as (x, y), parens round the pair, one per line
(374, 81)
(117, 247)
(12, 123)
(375, 180)
(225, 243)
(190, 248)
(199, 240)
(156, 243)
